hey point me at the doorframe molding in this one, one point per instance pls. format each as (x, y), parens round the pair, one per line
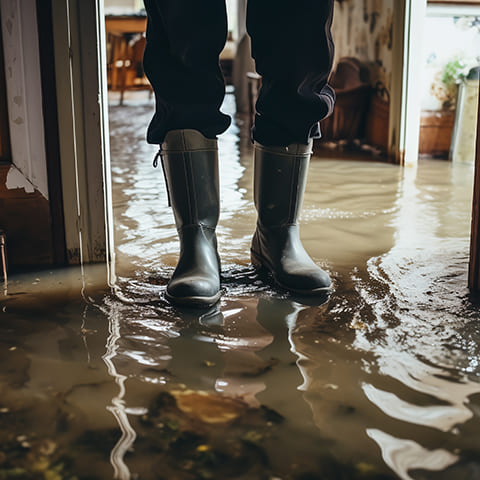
(474, 264)
(404, 121)
(82, 97)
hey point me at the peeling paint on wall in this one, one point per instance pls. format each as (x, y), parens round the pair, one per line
(16, 179)
(24, 95)
(364, 29)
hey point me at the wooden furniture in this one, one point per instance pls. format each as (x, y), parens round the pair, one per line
(125, 47)
(126, 23)
(351, 83)
(436, 132)
(376, 130)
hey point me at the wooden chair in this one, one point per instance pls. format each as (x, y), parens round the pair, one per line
(125, 64)
(351, 83)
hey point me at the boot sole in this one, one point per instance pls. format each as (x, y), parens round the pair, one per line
(194, 301)
(260, 265)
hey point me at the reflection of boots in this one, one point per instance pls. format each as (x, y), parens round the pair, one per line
(280, 178)
(190, 164)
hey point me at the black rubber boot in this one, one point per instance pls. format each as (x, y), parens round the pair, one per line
(190, 164)
(280, 178)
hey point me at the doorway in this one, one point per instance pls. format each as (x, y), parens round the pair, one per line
(449, 97)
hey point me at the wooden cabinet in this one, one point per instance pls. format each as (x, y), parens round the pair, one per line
(125, 47)
(436, 132)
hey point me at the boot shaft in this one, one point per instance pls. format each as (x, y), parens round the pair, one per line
(190, 164)
(279, 182)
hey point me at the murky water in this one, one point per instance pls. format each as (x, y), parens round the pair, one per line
(380, 382)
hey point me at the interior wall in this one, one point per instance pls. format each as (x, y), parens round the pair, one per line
(25, 217)
(4, 129)
(24, 95)
(24, 206)
(364, 29)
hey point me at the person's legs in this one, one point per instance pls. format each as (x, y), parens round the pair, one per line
(181, 61)
(184, 40)
(293, 51)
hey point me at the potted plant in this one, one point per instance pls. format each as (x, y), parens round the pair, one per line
(436, 126)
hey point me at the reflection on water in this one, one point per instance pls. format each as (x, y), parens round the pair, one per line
(380, 381)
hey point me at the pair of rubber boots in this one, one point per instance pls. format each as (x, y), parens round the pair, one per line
(190, 164)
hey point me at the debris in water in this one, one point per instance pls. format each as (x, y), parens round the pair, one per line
(358, 325)
(207, 407)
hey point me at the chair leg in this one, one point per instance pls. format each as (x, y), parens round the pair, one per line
(122, 83)
(3, 255)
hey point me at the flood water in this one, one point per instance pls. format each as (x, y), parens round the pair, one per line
(381, 381)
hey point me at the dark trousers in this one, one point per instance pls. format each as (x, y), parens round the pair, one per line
(293, 51)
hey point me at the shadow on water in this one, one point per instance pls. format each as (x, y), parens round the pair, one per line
(380, 380)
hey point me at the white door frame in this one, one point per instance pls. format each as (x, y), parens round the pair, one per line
(80, 65)
(404, 125)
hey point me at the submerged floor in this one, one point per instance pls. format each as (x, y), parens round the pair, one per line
(380, 382)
